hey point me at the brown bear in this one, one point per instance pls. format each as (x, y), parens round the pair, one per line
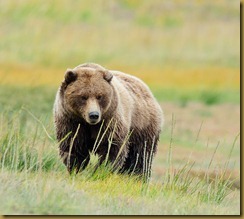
(107, 112)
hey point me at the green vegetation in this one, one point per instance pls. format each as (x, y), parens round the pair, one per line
(208, 97)
(34, 181)
(188, 52)
(120, 33)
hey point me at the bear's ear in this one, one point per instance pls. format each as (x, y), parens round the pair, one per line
(70, 76)
(107, 75)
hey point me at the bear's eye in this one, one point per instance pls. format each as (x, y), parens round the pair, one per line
(99, 97)
(84, 97)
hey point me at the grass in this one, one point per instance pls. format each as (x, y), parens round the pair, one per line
(181, 49)
(34, 181)
(52, 194)
(119, 33)
(206, 96)
(179, 53)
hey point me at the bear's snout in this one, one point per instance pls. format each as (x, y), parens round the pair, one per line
(93, 117)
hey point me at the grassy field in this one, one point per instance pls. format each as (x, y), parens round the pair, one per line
(188, 52)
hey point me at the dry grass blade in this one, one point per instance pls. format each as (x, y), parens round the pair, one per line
(96, 146)
(40, 122)
(71, 146)
(99, 132)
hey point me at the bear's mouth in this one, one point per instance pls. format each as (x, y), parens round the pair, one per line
(92, 122)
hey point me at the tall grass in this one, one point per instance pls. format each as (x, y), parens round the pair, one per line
(24, 153)
(32, 158)
(180, 48)
(211, 187)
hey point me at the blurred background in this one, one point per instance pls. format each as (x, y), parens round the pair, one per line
(187, 51)
(179, 44)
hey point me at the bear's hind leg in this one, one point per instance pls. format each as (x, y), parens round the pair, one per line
(140, 156)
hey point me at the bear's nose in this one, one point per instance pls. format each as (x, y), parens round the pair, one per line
(94, 115)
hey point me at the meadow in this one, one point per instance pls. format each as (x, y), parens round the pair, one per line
(188, 52)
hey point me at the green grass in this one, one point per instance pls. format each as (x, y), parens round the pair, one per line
(54, 194)
(158, 33)
(170, 44)
(40, 99)
(33, 180)
(206, 96)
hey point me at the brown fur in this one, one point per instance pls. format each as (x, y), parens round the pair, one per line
(123, 101)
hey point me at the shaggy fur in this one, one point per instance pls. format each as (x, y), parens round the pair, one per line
(127, 110)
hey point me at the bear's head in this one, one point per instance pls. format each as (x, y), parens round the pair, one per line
(87, 93)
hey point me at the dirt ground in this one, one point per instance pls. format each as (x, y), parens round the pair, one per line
(200, 133)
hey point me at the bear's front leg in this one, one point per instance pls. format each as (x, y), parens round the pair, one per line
(74, 162)
(115, 154)
(72, 147)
